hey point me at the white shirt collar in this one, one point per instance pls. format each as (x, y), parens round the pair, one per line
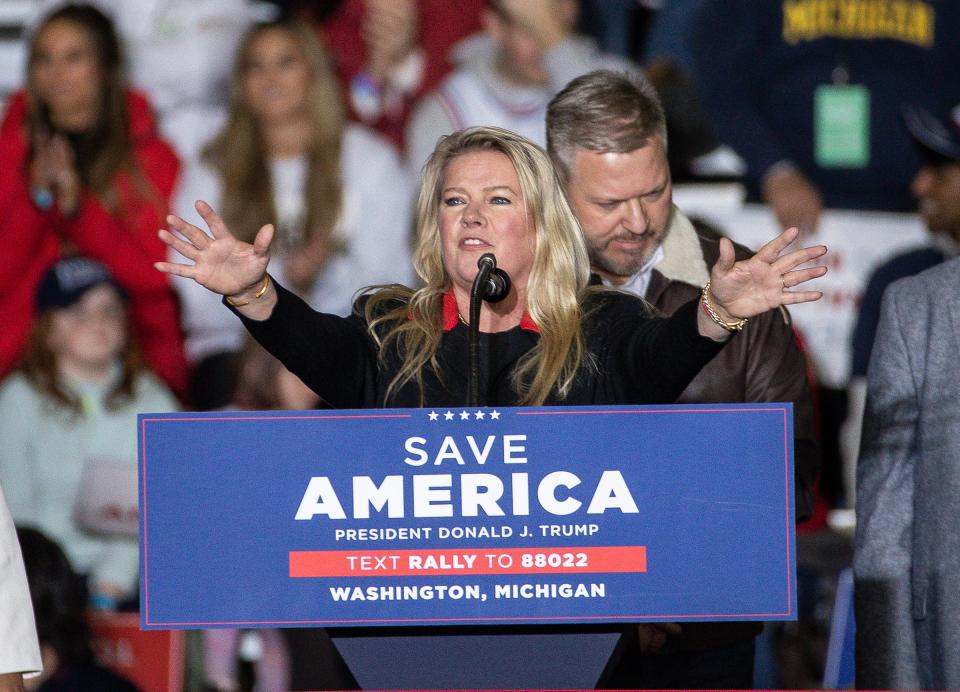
(639, 282)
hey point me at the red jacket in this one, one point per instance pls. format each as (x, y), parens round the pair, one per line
(441, 24)
(125, 241)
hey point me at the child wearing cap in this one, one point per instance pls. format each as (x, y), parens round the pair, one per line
(68, 425)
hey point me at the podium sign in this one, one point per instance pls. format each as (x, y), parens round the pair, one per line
(467, 516)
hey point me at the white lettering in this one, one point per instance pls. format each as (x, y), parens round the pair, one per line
(320, 498)
(366, 493)
(421, 455)
(481, 457)
(521, 494)
(429, 495)
(509, 448)
(448, 450)
(546, 493)
(480, 490)
(612, 493)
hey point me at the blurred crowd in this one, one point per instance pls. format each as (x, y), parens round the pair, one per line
(317, 117)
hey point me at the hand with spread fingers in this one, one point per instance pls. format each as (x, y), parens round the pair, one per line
(739, 290)
(221, 263)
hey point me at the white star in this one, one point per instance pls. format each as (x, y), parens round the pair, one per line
(434, 415)
(479, 415)
(464, 415)
(448, 415)
(495, 415)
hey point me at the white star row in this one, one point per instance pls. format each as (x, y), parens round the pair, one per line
(464, 415)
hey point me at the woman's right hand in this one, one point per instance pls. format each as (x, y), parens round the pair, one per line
(221, 263)
(53, 171)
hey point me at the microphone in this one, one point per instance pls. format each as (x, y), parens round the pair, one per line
(492, 285)
(495, 285)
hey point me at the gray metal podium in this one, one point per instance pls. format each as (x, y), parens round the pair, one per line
(505, 657)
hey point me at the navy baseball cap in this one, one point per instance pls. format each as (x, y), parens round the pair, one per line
(66, 281)
(937, 137)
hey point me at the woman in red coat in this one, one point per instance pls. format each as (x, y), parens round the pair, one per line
(84, 172)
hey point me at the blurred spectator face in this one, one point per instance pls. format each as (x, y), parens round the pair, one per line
(521, 51)
(624, 205)
(66, 75)
(521, 55)
(276, 77)
(91, 333)
(482, 210)
(937, 188)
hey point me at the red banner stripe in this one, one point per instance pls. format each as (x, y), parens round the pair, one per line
(406, 563)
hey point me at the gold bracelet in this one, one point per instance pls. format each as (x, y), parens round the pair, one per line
(708, 308)
(257, 295)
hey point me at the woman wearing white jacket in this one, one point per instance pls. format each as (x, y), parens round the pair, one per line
(336, 192)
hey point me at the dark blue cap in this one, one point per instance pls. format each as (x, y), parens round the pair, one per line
(67, 280)
(940, 137)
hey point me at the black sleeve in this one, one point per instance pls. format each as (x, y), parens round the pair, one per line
(652, 359)
(334, 356)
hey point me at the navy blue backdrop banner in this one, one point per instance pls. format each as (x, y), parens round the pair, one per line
(467, 516)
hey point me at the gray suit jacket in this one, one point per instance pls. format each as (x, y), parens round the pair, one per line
(907, 561)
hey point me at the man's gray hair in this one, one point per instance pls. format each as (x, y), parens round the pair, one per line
(604, 111)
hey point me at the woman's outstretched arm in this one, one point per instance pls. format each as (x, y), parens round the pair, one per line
(739, 290)
(223, 264)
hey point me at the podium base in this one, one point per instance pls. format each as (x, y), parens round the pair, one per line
(538, 659)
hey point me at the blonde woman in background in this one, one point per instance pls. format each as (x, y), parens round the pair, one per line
(336, 192)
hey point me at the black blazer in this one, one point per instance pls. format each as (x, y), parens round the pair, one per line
(635, 358)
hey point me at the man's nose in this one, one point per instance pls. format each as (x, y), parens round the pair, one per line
(56, 69)
(920, 185)
(635, 218)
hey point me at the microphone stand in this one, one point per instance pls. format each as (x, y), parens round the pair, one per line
(493, 285)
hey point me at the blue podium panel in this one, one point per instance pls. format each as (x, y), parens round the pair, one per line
(467, 516)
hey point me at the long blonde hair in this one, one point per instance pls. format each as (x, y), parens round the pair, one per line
(239, 155)
(559, 275)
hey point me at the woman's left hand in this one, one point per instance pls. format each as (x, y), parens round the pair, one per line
(766, 280)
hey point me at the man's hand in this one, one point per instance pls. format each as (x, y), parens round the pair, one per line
(11, 682)
(653, 636)
(794, 200)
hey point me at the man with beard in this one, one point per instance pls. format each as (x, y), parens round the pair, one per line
(607, 137)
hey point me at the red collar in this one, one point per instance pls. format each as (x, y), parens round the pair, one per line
(451, 316)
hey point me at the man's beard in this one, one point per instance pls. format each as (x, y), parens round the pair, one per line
(624, 266)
